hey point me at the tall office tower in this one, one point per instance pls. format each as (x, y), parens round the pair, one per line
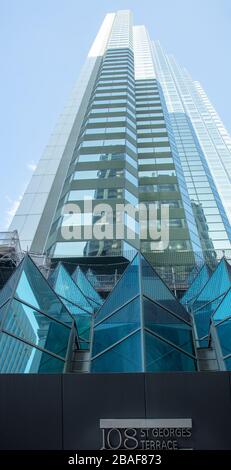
(136, 129)
(204, 147)
(139, 132)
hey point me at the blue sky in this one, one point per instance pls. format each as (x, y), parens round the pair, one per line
(43, 44)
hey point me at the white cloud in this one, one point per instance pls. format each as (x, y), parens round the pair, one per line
(31, 166)
(10, 212)
(14, 204)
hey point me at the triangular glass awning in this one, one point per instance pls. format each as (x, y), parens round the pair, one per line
(86, 287)
(142, 326)
(208, 300)
(196, 286)
(35, 325)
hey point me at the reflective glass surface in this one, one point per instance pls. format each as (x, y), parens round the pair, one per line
(156, 289)
(224, 309)
(117, 326)
(161, 356)
(196, 286)
(68, 289)
(19, 357)
(78, 304)
(126, 288)
(122, 357)
(224, 335)
(203, 315)
(45, 323)
(85, 285)
(166, 325)
(218, 283)
(33, 288)
(31, 325)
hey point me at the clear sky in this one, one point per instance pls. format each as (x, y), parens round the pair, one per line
(43, 44)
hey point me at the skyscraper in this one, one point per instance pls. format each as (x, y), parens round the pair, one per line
(128, 206)
(137, 129)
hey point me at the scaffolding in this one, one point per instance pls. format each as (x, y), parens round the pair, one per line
(10, 254)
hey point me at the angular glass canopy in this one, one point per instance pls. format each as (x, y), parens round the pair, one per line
(142, 326)
(209, 298)
(86, 287)
(162, 356)
(218, 284)
(223, 311)
(35, 326)
(66, 288)
(196, 286)
(221, 321)
(74, 298)
(126, 288)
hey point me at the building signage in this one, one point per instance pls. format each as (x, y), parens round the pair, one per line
(146, 434)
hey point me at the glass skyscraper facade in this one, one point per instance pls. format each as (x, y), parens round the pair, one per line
(137, 129)
(204, 149)
(136, 132)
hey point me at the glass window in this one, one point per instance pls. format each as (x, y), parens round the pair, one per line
(158, 188)
(124, 357)
(33, 289)
(18, 357)
(98, 174)
(66, 288)
(155, 289)
(81, 194)
(116, 326)
(126, 289)
(131, 161)
(31, 325)
(131, 198)
(224, 334)
(166, 325)
(161, 356)
(154, 161)
(102, 143)
(131, 178)
(156, 173)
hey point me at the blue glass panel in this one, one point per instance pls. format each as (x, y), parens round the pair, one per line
(84, 323)
(10, 285)
(86, 287)
(160, 356)
(124, 357)
(166, 325)
(203, 315)
(155, 288)
(19, 357)
(74, 309)
(53, 276)
(196, 286)
(224, 334)
(49, 364)
(34, 289)
(66, 287)
(218, 283)
(228, 363)
(204, 343)
(117, 326)
(224, 309)
(31, 325)
(126, 288)
(3, 310)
